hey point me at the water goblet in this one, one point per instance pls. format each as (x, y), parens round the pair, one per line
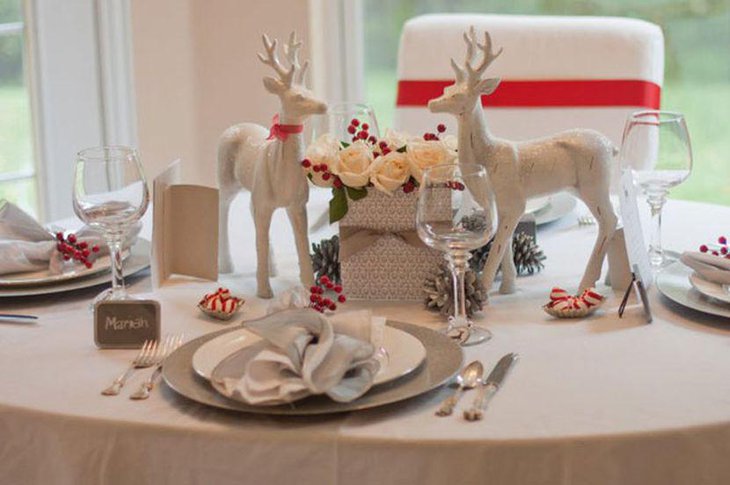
(338, 119)
(656, 148)
(110, 194)
(457, 214)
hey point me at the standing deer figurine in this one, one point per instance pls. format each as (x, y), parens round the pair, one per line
(576, 160)
(267, 163)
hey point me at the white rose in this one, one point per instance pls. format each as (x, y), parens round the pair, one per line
(390, 171)
(396, 139)
(353, 164)
(423, 155)
(322, 151)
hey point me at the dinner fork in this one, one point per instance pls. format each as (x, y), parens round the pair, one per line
(171, 343)
(145, 358)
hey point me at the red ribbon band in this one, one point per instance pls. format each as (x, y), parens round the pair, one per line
(545, 93)
(282, 132)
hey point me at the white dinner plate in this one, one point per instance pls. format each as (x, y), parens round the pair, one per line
(45, 277)
(708, 288)
(139, 259)
(673, 282)
(559, 206)
(536, 204)
(405, 352)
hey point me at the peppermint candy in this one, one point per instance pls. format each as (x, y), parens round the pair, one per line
(564, 305)
(221, 304)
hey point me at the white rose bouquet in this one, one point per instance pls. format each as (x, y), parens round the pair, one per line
(397, 161)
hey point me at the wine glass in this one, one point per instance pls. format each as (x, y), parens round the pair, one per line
(657, 150)
(110, 194)
(456, 214)
(338, 119)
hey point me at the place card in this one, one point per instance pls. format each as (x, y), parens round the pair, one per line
(126, 324)
(636, 249)
(184, 228)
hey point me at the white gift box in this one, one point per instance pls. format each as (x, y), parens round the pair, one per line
(390, 268)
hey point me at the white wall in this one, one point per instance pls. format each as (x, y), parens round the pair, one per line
(196, 73)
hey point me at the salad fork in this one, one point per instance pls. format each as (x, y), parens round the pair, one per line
(171, 343)
(145, 358)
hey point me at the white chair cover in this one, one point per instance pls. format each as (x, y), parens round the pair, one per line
(557, 72)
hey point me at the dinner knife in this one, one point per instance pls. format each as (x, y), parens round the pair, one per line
(490, 386)
(12, 317)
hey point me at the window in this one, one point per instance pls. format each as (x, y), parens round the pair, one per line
(18, 181)
(697, 72)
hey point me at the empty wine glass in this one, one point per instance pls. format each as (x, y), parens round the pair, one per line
(456, 214)
(657, 150)
(110, 194)
(338, 119)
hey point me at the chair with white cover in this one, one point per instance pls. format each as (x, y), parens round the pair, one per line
(557, 73)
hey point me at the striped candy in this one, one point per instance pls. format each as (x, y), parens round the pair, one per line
(564, 305)
(220, 304)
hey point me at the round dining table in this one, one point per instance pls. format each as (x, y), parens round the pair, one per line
(596, 400)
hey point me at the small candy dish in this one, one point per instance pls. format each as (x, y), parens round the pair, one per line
(221, 304)
(563, 305)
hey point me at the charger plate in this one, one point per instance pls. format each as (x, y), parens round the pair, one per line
(673, 282)
(442, 363)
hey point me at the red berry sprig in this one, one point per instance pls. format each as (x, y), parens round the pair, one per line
(441, 129)
(723, 250)
(361, 131)
(321, 303)
(73, 249)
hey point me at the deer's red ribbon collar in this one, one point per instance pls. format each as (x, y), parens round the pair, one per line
(282, 132)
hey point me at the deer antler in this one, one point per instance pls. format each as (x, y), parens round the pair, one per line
(291, 49)
(470, 73)
(271, 59)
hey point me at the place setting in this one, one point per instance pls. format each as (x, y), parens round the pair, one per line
(38, 260)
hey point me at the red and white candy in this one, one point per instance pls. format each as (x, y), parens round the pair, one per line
(564, 305)
(221, 304)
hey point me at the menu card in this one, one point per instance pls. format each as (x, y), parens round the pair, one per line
(185, 228)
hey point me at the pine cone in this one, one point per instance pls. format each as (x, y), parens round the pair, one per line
(439, 292)
(528, 256)
(326, 259)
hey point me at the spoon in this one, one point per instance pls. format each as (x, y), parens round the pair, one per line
(468, 378)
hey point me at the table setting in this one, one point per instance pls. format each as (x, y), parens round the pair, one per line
(423, 320)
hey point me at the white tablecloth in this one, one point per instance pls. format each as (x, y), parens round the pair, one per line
(598, 401)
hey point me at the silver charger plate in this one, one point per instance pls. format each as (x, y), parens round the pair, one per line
(138, 259)
(560, 205)
(443, 361)
(673, 282)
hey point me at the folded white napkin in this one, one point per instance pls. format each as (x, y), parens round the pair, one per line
(25, 245)
(308, 353)
(710, 267)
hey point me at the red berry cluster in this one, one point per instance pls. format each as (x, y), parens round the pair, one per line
(321, 168)
(441, 128)
(71, 248)
(453, 185)
(319, 302)
(723, 250)
(360, 131)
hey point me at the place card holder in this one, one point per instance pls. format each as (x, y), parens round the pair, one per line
(126, 324)
(637, 285)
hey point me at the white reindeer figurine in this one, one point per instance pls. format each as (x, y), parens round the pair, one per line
(576, 160)
(267, 163)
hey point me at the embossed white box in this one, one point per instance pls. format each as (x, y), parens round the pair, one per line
(390, 268)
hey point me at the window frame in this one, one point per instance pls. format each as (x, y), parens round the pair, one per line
(80, 80)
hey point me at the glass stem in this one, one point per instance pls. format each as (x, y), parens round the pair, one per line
(114, 241)
(656, 202)
(458, 263)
